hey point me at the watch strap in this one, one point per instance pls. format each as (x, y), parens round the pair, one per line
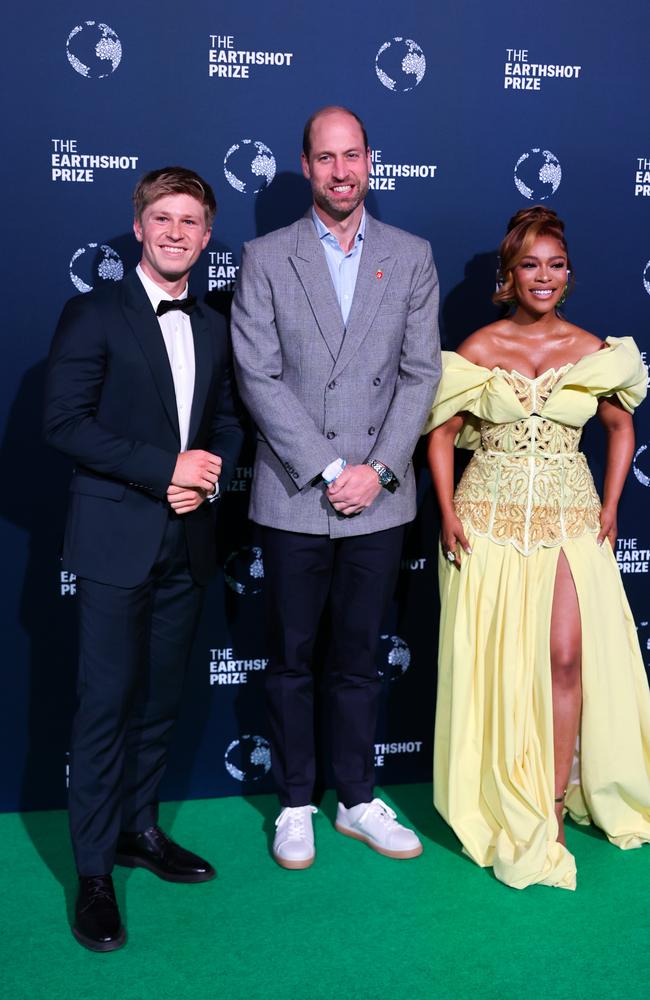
(387, 477)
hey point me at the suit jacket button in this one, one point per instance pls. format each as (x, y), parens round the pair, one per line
(295, 475)
(376, 381)
(371, 430)
(330, 435)
(332, 385)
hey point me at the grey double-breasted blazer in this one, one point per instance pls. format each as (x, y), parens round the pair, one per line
(318, 390)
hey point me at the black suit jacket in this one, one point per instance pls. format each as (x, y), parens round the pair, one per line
(110, 405)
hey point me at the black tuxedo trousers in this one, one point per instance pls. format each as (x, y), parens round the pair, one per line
(133, 652)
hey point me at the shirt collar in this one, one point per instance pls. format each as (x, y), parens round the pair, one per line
(323, 231)
(155, 293)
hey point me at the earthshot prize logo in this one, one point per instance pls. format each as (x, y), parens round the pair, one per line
(520, 74)
(68, 164)
(67, 583)
(241, 483)
(222, 271)
(630, 558)
(642, 181)
(248, 758)
(383, 750)
(224, 60)
(225, 669)
(105, 264)
(400, 64)
(413, 563)
(93, 49)
(249, 166)
(384, 176)
(537, 174)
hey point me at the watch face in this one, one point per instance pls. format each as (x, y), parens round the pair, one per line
(386, 478)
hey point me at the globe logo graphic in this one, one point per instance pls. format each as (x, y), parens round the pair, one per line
(537, 174)
(646, 277)
(93, 49)
(105, 264)
(400, 64)
(248, 758)
(642, 476)
(394, 657)
(249, 166)
(243, 570)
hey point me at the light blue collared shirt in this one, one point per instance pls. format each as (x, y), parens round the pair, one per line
(343, 267)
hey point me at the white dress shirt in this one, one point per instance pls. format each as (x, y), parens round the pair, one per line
(176, 329)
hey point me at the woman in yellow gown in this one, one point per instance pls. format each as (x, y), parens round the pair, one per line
(538, 649)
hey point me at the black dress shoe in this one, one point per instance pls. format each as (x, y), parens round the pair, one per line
(97, 923)
(154, 850)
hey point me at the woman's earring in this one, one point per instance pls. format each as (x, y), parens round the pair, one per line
(499, 284)
(565, 293)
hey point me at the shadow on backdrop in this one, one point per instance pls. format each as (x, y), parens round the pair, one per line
(47, 616)
(468, 305)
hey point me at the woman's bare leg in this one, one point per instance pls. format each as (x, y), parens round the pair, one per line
(566, 655)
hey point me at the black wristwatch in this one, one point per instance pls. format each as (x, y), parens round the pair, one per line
(387, 479)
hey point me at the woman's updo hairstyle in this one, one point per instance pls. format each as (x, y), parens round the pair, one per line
(523, 229)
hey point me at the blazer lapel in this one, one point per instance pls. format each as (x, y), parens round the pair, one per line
(375, 268)
(203, 366)
(146, 329)
(312, 270)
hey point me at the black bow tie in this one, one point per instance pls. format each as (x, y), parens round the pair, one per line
(187, 305)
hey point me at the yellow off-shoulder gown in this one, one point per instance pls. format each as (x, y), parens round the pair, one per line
(527, 495)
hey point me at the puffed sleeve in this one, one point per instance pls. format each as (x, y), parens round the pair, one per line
(617, 370)
(629, 373)
(475, 392)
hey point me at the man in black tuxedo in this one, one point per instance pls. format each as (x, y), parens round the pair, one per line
(139, 393)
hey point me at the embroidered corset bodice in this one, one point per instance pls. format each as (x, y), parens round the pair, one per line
(528, 484)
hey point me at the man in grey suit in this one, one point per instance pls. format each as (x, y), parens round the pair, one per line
(335, 336)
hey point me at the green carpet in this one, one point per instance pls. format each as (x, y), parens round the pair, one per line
(355, 925)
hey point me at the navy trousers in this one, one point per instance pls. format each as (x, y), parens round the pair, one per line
(357, 575)
(134, 644)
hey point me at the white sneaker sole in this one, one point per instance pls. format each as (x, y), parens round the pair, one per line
(400, 855)
(294, 865)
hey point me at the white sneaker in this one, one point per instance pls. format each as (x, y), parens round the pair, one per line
(376, 825)
(293, 844)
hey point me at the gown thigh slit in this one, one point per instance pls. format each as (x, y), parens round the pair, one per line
(565, 644)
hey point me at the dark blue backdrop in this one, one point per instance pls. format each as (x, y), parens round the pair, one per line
(472, 110)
